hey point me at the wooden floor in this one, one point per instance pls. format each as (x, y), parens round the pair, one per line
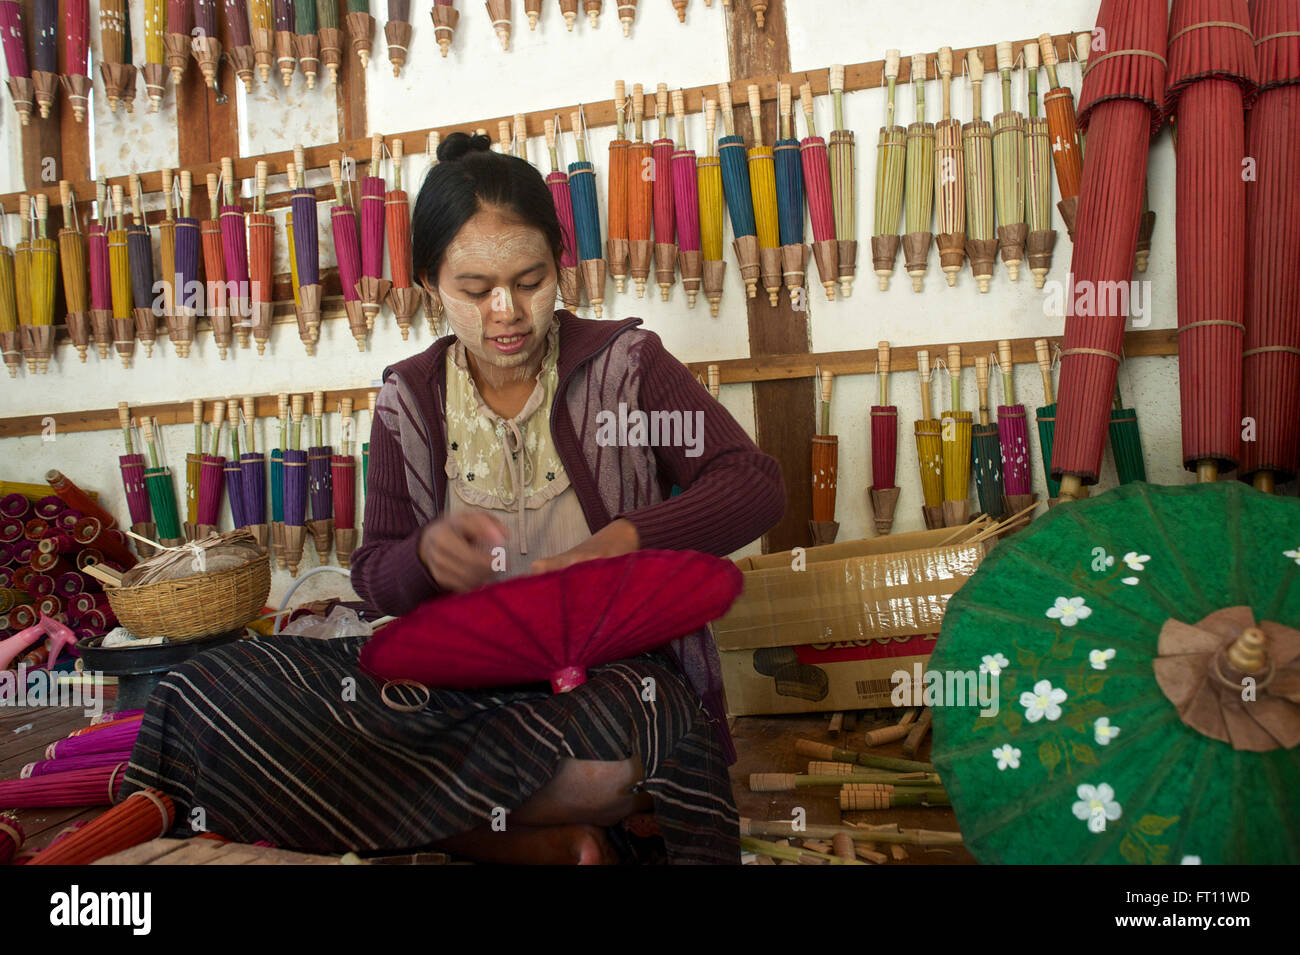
(764, 744)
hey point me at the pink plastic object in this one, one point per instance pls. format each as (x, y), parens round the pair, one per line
(59, 636)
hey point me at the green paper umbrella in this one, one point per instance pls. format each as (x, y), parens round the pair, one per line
(1127, 630)
(1126, 443)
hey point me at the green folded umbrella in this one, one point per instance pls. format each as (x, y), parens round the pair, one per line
(1126, 443)
(1147, 663)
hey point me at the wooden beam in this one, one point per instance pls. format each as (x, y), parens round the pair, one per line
(784, 409)
(764, 369)
(857, 76)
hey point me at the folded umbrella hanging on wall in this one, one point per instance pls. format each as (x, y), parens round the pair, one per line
(883, 493)
(216, 300)
(891, 161)
(949, 180)
(73, 264)
(139, 252)
(686, 202)
(1041, 239)
(986, 451)
(665, 208)
(557, 181)
(709, 169)
(919, 182)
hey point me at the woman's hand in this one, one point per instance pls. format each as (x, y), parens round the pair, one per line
(457, 550)
(615, 539)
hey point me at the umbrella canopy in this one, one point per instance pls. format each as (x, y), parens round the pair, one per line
(9, 328)
(1211, 70)
(825, 471)
(343, 486)
(736, 186)
(665, 208)
(75, 269)
(640, 197)
(403, 297)
(80, 787)
(586, 218)
(212, 477)
(977, 150)
(176, 41)
(259, 21)
(361, 31)
(45, 59)
(949, 180)
(789, 200)
(554, 626)
(617, 249)
(119, 266)
(1038, 179)
(347, 249)
(1046, 418)
(295, 491)
(234, 255)
(762, 188)
(162, 493)
(306, 45)
(206, 45)
(101, 294)
(686, 200)
(234, 475)
(44, 259)
(986, 450)
(919, 181)
(139, 250)
(11, 837)
(261, 264)
(286, 60)
(929, 449)
(1126, 443)
(1120, 107)
(14, 38)
(397, 33)
(76, 76)
(1013, 438)
(252, 470)
(955, 437)
(1271, 359)
(1009, 132)
(891, 162)
(1120, 733)
(558, 184)
(132, 466)
(214, 271)
(319, 482)
(373, 287)
(842, 186)
(445, 16)
(145, 814)
(709, 169)
(817, 185)
(883, 492)
(240, 50)
(188, 292)
(330, 36)
(1062, 128)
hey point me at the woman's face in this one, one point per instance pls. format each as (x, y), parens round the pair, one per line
(497, 284)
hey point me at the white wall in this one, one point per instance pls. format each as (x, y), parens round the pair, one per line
(550, 66)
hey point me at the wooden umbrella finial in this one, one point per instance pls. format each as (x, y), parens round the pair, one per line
(715, 380)
(1249, 652)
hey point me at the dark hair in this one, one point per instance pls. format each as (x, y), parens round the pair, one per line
(467, 177)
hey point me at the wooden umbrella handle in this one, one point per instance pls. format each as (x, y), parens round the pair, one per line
(196, 411)
(146, 426)
(431, 145)
(548, 127)
(756, 112)
(638, 102)
(620, 96)
(250, 415)
(297, 404)
(167, 192)
(710, 122)
(982, 386)
(1082, 47)
(135, 198)
(837, 78)
(679, 107)
(893, 59)
(371, 398)
(317, 403)
(882, 358)
(1048, 48)
(828, 381)
(124, 415)
(398, 149)
(923, 372)
(920, 68)
(376, 151)
(300, 159)
(724, 97)
(65, 197)
(954, 360)
(1031, 56)
(345, 407)
(1003, 49)
(1044, 358)
(715, 380)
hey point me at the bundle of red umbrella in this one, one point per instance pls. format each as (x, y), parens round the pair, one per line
(1121, 106)
(1211, 71)
(1271, 359)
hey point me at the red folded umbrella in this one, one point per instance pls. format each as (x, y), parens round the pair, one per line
(79, 787)
(403, 298)
(11, 838)
(212, 478)
(372, 286)
(145, 814)
(234, 249)
(1120, 108)
(1211, 70)
(347, 250)
(117, 736)
(1271, 359)
(554, 626)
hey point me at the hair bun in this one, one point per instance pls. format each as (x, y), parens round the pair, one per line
(456, 145)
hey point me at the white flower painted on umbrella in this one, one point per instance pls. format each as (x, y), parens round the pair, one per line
(1097, 659)
(1191, 860)
(1293, 554)
(994, 664)
(1069, 610)
(1136, 562)
(1007, 756)
(1045, 700)
(1097, 805)
(1103, 732)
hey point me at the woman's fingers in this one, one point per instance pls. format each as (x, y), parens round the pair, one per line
(479, 528)
(458, 550)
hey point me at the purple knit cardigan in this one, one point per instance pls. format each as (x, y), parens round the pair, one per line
(731, 492)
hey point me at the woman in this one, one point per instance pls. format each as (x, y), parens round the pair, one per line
(488, 459)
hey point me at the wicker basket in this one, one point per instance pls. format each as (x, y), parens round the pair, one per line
(197, 606)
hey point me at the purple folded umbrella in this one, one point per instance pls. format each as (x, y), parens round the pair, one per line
(305, 237)
(72, 584)
(108, 740)
(235, 492)
(295, 487)
(137, 495)
(321, 482)
(252, 465)
(49, 508)
(1013, 436)
(15, 506)
(45, 767)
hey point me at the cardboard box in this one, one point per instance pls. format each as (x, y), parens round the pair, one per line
(825, 628)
